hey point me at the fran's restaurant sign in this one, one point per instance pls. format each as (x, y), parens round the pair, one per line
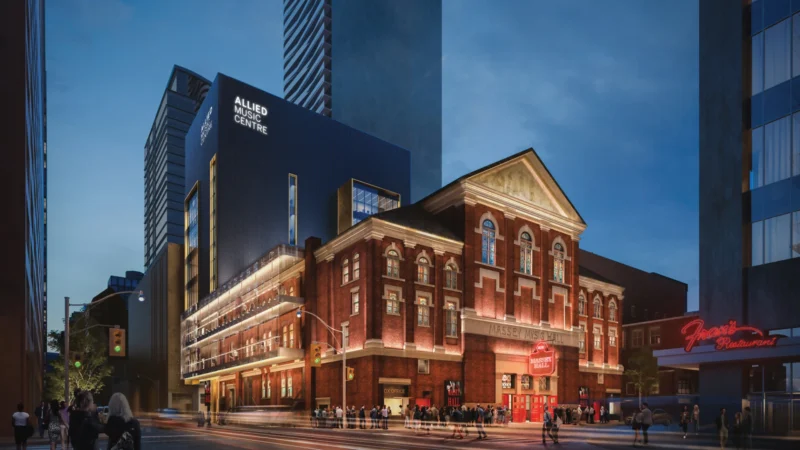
(542, 361)
(730, 336)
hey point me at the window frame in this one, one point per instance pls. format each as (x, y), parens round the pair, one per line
(582, 338)
(559, 253)
(651, 335)
(612, 337)
(393, 301)
(393, 263)
(612, 311)
(526, 253)
(356, 266)
(640, 341)
(451, 276)
(597, 337)
(488, 242)
(424, 305)
(423, 366)
(355, 303)
(423, 270)
(451, 308)
(597, 308)
(345, 271)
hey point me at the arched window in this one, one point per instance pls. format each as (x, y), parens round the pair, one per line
(356, 266)
(558, 262)
(450, 276)
(345, 271)
(488, 244)
(526, 253)
(612, 311)
(291, 291)
(582, 305)
(598, 309)
(393, 264)
(423, 270)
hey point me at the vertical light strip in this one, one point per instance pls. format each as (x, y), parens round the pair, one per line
(212, 208)
(292, 209)
(191, 219)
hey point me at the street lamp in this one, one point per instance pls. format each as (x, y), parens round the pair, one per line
(344, 351)
(66, 330)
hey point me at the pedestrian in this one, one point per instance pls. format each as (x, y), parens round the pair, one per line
(568, 413)
(123, 430)
(21, 421)
(455, 418)
(722, 428)
(636, 424)
(747, 428)
(408, 413)
(63, 413)
(84, 425)
(557, 422)
(696, 419)
(547, 426)
(434, 416)
(41, 417)
(480, 417)
(362, 418)
(736, 430)
(685, 419)
(602, 414)
(590, 415)
(579, 414)
(54, 426)
(647, 421)
(385, 416)
(417, 417)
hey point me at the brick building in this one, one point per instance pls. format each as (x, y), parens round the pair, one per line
(461, 290)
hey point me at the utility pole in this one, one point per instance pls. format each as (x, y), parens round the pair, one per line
(66, 350)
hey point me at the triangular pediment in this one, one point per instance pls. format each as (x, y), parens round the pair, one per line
(525, 178)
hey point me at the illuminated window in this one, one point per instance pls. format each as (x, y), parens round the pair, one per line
(558, 262)
(488, 242)
(213, 222)
(392, 303)
(598, 308)
(289, 385)
(598, 338)
(526, 253)
(423, 366)
(582, 338)
(451, 325)
(612, 311)
(423, 312)
(423, 271)
(263, 385)
(269, 342)
(291, 291)
(655, 336)
(269, 387)
(582, 305)
(291, 335)
(192, 252)
(612, 337)
(292, 209)
(345, 271)
(393, 264)
(283, 384)
(451, 276)
(285, 336)
(356, 266)
(354, 303)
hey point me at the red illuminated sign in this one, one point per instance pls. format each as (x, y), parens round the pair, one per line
(723, 336)
(542, 361)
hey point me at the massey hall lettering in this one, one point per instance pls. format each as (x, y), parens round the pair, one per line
(249, 114)
(523, 334)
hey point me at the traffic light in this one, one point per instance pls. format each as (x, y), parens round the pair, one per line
(77, 359)
(116, 342)
(316, 355)
(351, 373)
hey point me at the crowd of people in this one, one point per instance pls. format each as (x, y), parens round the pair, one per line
(78, 424)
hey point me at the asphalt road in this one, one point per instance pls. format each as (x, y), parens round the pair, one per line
(526, 436)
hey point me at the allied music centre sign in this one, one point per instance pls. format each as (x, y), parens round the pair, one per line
(250, 115)
(730, 336)
(542, 361)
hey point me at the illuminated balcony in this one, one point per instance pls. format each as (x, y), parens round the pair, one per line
(224, 364)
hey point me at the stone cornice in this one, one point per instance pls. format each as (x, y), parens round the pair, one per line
(373, 228)
(606, 288)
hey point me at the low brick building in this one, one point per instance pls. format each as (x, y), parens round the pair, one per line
(475, 294)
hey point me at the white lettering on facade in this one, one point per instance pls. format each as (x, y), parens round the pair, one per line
(206, 127)
(250, 115)
(525, 334)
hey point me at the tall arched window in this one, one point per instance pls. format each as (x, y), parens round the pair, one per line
(558, 262)
(488, 244)
(598, 309)
(582, 305)
(450, 276)
(393, 264)
(526, 253)
(423, 270)
(345, 271)
(612, 311)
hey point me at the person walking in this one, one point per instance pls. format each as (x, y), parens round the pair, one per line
(21, 421)
(602, 414)
(557, 422)
(696, 419)
(63, 413)
(54, 426)
(736, 430)
(547, 426)
(647, 421)
(465, 420)
(434, 416)
(455, 418)
(747, 428)
(84, 425)
(579, 414)
(41, 416)
(636, 424)
(722, 428)
(385, 417)
(123, 430)
(407, 417)
(480, 416)
(362, 418)
(685, 419)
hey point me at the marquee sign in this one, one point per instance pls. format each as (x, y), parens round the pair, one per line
(543, 360)
(725, 336)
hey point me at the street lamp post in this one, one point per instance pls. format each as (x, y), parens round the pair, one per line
(344, 351)
(66, 331)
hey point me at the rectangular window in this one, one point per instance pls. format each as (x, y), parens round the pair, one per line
(285, 336)
(507, 381)
(544, 384)
(393, 303)
(582, 339)
(796, 45)
(638, 338)
(757, 66)
(269, 387)
(684, 386)
(655, 336)
(345, 272)
(212, 226)
(450, 279)
(451, 325)
(356, 267)
(354, 303)
(757, 158)
(777, 238)
(423, 273)
(292, 209)
(612, 337)
(423, 312)
(777, 150)
(598, 338)
(392, 267)
(796, 238)
(191, 218)
(346, 336)
(777, 54)
(283, 384)
(757, 241)
(291, 336)
(289, 385)
(423, 366)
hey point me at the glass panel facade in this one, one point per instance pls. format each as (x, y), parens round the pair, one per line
(757, 42)
(777, 151)
(757, 168)
(796, 143)
(796, 235)
(796, 45)
(368, 200)
(777, 54)
(777, 240)
(192, 225)
(292, 209)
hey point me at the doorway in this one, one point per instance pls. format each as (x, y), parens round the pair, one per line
(397, 404)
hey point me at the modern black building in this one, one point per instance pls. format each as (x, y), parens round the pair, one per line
(126, 283)
(163, 161)
(23, 181)
(375, 66)
(749, 210)
(261, 172)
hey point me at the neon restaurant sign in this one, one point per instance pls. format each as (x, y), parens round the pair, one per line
(730, 336)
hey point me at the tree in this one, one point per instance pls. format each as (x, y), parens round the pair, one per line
(88, 339)
(643, 371)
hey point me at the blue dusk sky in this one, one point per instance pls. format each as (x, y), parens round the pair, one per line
(605, 91)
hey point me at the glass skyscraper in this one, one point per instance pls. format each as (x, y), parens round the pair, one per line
(163, 161)
(375, 66)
